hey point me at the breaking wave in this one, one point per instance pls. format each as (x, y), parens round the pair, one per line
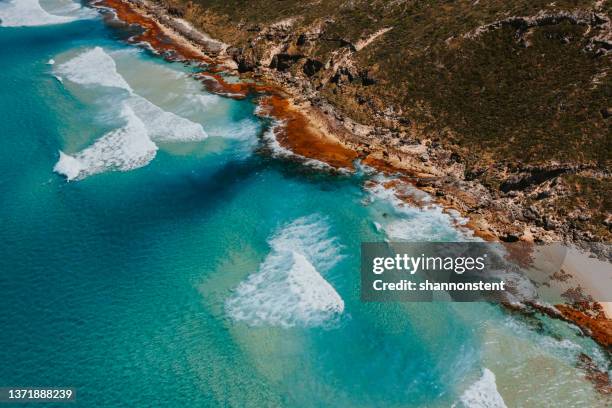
(126, 148)
(245, 129)
(483, 393)
(403, 222)
(288, 289)
(25, 13)
(132, 145)
(279, 151)
(165, 126)
(202, 100)
(93, 67)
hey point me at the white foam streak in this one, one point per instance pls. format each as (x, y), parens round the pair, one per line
(245, 130)
(202, 100)
(68, 166)
(288, 289)
(22, 13)
(279, 151)
(310, 236)
(93, 67)
(483, 393)
(132, 145)
(25, 13)
(126, 148)
(404, 222)
(165, 126)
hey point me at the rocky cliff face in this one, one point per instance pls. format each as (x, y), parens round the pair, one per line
(494, 107)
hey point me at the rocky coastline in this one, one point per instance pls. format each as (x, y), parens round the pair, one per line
(519, 207)
(315, 129)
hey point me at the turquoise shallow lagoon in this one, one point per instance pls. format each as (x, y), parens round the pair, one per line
(188, 263)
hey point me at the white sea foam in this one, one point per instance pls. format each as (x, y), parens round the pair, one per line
(288, 289)
(51, 61)
(123, 149)
(277, 149)
(202, 100)
(404, 222)
(245, 129)
(132, 145)
(68, 166)
(165, 126)
(24, 13)
(421, 225)
(93, 67)
(483, 393)
(96, 67)
(21, 13)
(71, 8)
(280, 151)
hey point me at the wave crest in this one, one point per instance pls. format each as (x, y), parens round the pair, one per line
(165, 126)
(28, 13)
(288, 289)
(483, 393)
(126, 148)
(93, 67)
(132, 145)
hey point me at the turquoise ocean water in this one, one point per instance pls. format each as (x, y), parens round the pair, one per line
(213, 270)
